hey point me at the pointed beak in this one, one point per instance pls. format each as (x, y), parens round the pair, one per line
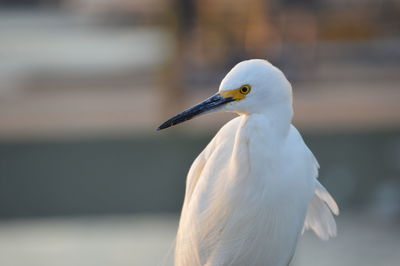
(210, 104)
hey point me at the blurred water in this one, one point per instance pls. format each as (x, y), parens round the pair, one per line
(147, 240)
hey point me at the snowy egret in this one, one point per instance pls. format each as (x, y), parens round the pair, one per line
(253, 190)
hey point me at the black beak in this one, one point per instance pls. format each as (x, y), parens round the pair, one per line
(205, 106)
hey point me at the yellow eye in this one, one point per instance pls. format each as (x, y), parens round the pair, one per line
(245, 89)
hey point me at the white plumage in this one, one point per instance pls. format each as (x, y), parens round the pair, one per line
(253, 190)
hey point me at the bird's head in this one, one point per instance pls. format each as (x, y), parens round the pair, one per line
(252, 86)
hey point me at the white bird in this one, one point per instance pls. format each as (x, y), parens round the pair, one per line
(253, 190)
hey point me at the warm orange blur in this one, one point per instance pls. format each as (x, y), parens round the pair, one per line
(90, 67)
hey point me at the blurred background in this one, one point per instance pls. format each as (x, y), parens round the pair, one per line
(85, 178)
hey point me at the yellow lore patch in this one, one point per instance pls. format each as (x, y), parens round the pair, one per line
(236, 94)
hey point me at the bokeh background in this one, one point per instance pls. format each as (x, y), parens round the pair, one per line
(86, 180)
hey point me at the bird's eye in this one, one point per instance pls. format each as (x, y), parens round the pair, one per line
(245, 89)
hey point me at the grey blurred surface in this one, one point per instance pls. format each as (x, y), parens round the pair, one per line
(134, 174)
(147, 240)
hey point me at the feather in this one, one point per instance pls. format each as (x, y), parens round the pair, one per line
(319, 216)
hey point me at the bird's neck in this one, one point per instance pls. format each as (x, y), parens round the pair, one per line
(278, 118)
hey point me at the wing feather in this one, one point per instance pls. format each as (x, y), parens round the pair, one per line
(187, 251)
(320, 211)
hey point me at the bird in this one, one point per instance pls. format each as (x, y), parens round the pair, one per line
(253, 190)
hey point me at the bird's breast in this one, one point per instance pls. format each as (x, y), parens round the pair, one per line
(245, 206)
